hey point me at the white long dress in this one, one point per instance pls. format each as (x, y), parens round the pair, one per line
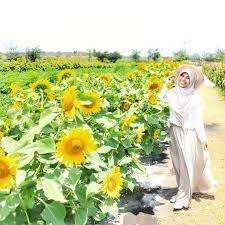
(191, 162)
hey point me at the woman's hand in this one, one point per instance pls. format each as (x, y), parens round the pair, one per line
(170, 78)
(205, 146)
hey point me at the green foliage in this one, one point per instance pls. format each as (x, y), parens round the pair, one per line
(106, 56)
(48, 63)
(210, 57)
(33, 54)
(135, 55)
(181, 55)
(12, 53)
(154, 54)
(216, 73)
(46, 190)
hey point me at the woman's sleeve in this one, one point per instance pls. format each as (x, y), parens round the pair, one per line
(199, 123)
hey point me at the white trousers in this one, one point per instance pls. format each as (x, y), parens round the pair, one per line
(191, 163)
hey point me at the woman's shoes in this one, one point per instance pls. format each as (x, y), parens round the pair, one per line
(173, 199)
(179, 206)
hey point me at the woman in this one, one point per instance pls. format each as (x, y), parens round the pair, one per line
(188, 144)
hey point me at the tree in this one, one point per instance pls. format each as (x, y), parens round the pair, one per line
(33, 54)
(154, 54)
(12, 52)
(135, 55)
(181, 55)
(104, 56)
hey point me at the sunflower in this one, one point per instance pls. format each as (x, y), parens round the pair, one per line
(156, 134)
(1, 136)
(40, 84)
(141, 66)
(130, 74)
(128, 120)
(2, 152)
(155, 75)
(50, 94)
(105, 78)
(156, 65)
(154, 85)
(8, 166)
(65, 74)
(16, 105)
(152, 99)
(15, 90)
(112, 183)
(125, 104)
(167, 73)
(90, 102)
(73, 147)
(141, 129)
(170, 85)
(69, 103)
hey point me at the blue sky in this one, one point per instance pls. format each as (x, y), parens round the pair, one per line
(122, 25)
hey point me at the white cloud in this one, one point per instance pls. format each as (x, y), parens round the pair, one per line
(120, 25)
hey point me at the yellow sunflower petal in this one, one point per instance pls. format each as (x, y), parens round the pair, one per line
(69, 103)
(7, 172)
(112, 183)
(128, 120)
(40, 84)
(93, 105)
(72, 148)
(65, 73)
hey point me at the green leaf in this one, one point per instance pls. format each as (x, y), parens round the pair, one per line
(54, 214)
(42, 146)
(52, 189)
(104, 149)
(26, 159)
(81, 194)
(92, 188)
(10, 145)
(110, 206)
(110, 161)
(130, 182)
(95, 160)
(70, 177)
(127, 143)
(125, 160)
(46, 117)
(81, 216)
(8, 204)
(20, 177)
(151, 119)
(148, 146)
(138, 168)
(106, 122)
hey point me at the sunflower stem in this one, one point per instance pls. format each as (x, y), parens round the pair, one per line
(24, 209)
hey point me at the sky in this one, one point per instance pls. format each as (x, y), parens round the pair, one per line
(113, 25)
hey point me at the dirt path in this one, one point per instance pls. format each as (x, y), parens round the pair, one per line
(207, 210)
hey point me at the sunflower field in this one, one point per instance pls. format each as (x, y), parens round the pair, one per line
(69, 147)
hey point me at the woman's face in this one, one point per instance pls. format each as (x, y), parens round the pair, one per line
(184, 80)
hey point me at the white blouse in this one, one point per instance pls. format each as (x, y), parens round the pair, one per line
(194, 118)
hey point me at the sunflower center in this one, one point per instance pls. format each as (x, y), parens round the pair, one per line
(89, 105)
(111, 185)
(41, 86)
(76, 146)
(4, 170)
(154, 86)
(68, 105)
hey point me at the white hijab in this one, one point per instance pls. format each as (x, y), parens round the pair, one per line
(180, 98)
